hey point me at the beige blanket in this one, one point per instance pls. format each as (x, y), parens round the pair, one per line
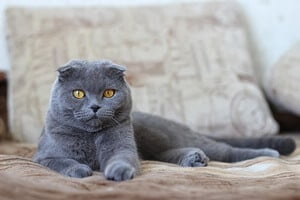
(260, 178)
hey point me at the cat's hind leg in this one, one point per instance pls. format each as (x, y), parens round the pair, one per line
(239, 154)
(227, 153)
(283, 145)
(186, 157)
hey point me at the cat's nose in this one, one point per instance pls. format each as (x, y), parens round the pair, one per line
(95, 108)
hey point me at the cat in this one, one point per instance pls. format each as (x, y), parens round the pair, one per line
(90, 126)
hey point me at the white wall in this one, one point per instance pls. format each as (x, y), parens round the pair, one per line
(274, 24)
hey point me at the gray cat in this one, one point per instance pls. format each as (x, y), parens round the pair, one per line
(89, 126)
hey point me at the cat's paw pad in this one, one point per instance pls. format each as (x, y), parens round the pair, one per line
(119, 171)
(79, 171)
(194, 158)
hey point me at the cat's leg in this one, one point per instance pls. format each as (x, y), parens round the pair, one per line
(118, 157)
(283, 145)
(239, 154)
(186, 157)
(227, 153)
(67, 167)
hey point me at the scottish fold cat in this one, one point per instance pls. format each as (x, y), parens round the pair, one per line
(89, 126)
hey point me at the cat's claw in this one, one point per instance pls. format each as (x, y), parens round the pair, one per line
(194, 158)
(119, 171)
(78, 171)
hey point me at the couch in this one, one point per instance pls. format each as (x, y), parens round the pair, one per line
(198, 57)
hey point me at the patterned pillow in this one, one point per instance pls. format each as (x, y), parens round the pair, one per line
(190, 63)
(282, 81)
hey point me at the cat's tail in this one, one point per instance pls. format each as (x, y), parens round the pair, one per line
(283, 145)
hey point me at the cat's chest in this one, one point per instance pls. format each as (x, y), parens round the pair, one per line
(83, 149)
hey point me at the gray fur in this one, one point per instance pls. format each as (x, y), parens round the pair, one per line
(76, 140)
(156, 136)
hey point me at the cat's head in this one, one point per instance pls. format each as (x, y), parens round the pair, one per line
(91, 95)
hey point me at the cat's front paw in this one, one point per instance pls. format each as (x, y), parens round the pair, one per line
(78, 171)
(194, 158)
(119, 171)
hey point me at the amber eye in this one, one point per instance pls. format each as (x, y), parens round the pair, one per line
(109, 93)
(79, 94)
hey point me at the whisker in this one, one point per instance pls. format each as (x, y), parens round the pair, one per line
(107, 114)
(116, 121)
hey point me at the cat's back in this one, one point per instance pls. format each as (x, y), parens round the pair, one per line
(158, 125)
(156, 134)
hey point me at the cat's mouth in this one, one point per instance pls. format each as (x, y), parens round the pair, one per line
(94, 121)
(94, 117)
(88, 118)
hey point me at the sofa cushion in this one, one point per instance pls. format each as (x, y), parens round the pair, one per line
(190, 63)
(282, 81)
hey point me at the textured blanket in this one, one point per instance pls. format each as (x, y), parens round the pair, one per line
(260, 178)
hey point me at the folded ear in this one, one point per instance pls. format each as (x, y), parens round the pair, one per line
(117, 70)
(68, 69)
(64, 72)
